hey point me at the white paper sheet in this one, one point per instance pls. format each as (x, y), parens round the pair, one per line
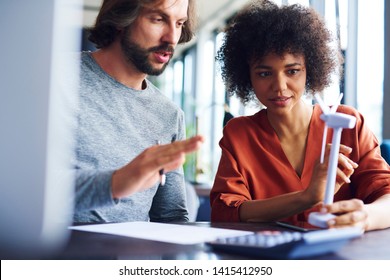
(171, 233)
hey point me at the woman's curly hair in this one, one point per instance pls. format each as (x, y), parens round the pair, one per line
(261, 28)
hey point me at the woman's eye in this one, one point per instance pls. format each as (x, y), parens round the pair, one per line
(293, 71)
(264, 74)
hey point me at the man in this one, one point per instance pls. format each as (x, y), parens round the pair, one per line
(122, 116)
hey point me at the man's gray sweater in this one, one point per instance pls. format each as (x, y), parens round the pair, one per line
(115, 123)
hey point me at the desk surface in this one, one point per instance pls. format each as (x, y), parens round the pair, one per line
(91, 246)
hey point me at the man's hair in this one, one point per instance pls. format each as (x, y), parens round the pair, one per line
(262, 28)
(116, 15)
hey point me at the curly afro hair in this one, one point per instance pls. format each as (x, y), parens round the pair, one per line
(261, 28)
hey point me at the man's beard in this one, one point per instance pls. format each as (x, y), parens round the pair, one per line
(140, 56)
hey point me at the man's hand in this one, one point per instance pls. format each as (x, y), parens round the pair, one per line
(143, 171)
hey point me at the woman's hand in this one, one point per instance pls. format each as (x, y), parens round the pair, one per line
(143, 171)
(348, 213)
(346, 166)
(316, 189)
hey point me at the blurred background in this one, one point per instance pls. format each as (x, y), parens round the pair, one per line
(193, 82)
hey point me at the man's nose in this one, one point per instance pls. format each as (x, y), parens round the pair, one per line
(171, 34)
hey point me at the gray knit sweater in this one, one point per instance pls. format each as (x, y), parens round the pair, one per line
(115, 124)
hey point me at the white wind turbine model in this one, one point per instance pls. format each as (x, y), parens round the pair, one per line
(336, 121)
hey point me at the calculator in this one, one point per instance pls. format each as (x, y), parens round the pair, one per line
(287, 244)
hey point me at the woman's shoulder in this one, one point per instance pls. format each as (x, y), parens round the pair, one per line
(349, 110)
(346, 109)
(243, 122)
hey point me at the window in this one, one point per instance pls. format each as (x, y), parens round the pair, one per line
(193, 80)
(370, 63)
(360, 27)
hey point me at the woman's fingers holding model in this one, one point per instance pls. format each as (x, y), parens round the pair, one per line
(348, 213)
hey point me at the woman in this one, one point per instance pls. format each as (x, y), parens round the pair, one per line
(269, 168)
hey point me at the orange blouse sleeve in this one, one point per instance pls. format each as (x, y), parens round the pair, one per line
(229, 190)
(371, 179)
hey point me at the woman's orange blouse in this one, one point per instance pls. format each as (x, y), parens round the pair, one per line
(253, 165)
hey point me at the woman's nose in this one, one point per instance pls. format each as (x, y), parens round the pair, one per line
(279, 83)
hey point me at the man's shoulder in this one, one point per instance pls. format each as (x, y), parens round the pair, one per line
(161, 97)
(85, 59)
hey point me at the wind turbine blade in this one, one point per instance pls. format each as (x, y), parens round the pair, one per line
(334, 107)
(324, 108)
(324, 143)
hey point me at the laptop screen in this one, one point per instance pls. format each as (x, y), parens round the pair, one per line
(36, 183)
